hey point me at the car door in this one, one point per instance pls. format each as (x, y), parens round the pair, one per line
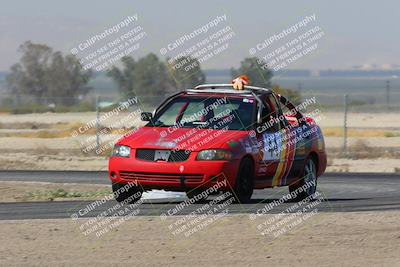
(278, 145)
(300, 141)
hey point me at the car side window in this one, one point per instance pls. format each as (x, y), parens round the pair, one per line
(269, 118)
(291, 117)
(292, 120)
(278, 108)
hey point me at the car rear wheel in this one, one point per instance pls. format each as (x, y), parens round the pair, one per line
(307, 185)
(244, 182)
(129, 195)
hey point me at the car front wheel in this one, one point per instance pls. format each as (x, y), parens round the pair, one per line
(244, 182)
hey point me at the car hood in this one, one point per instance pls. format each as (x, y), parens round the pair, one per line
(181, 138)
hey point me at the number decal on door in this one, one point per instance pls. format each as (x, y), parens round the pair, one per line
(272, 146)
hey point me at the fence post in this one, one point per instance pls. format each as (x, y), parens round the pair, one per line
(387, 94)
(97, 123)
(345, 124)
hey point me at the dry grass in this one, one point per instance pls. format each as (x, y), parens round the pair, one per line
(59, 130)
(329, 161)
(62, 194)
(392, 134)
(361, 149)
(26, 125)
(38, 191)
(342, 168)
(40, 130)
(338, 132)
(44, 134)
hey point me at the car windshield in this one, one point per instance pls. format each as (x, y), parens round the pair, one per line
(207, 112)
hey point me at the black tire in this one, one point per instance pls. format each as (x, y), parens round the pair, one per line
(196, 192)
(309, 177)
(132, 193)
(244, 185)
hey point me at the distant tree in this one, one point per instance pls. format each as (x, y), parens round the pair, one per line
(255, 70)
(186, 72)
(124, 77)
(42, 72)
(67, 78)
(147, 76)
(151, 76)
(29, 76)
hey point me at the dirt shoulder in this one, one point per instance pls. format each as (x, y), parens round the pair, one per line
(326, 239)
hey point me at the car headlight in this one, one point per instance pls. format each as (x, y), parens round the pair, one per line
(121, 151)
(214, 154)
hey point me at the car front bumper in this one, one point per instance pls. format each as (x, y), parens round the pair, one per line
(173, 176)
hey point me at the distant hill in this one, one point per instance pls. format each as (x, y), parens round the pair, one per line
(224, 75)
(359, 73)
(329, 82)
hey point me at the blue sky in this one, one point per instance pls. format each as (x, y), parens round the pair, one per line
(356, 32)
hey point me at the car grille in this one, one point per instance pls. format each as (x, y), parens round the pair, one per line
(161, 177)
(148, 155)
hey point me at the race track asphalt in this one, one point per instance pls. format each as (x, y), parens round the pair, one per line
(339, 192)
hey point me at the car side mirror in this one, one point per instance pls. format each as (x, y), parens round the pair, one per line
(146, 116)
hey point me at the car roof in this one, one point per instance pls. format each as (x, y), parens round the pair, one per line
(225, 92)
(228, 89)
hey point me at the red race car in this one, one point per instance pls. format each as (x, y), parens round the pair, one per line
(213, 136)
